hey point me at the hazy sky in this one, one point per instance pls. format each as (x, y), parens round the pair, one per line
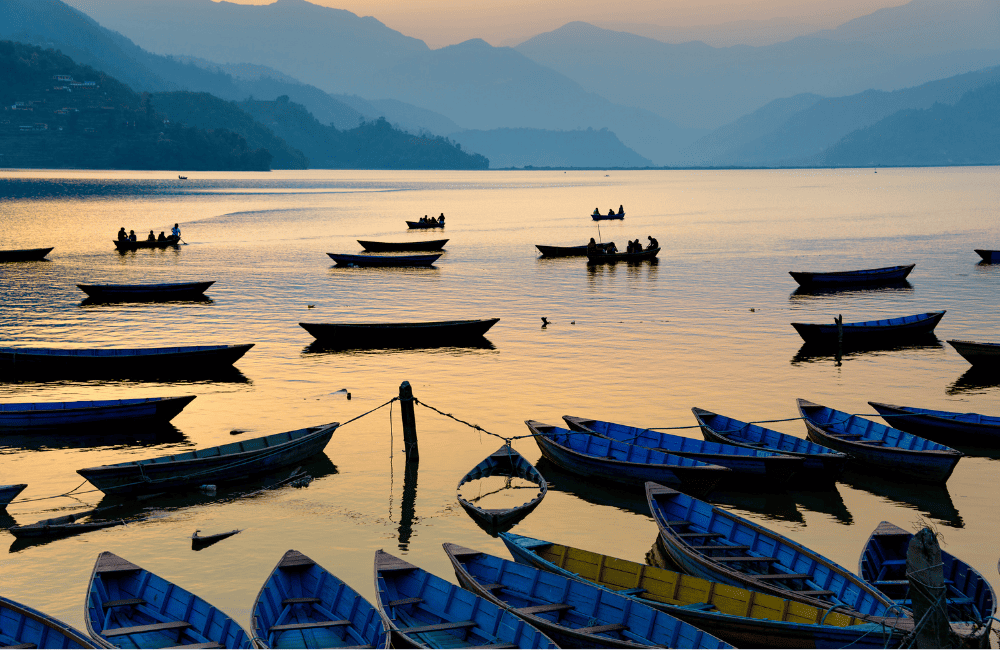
(504, 22)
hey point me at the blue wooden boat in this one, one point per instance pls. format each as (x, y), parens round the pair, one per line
(234, 461)
(24, 627)
(302, 605)
(715, 544)
(820, 464)
(886, 330)
(9, 492)
(735, 615)
(399, 247)
(609, 460)
(425, 611)
(503, 462)
(42, 416)
(573, 613)
(130, 607)
(989, 256)
(119, 361)
(562, 251)
(877, 445)
(956, 428)
(972, 603)
(353, 335)
(146, 292)
(849, 278)
(384, 260)
(24, 254)
(745, 462)
(980, 355)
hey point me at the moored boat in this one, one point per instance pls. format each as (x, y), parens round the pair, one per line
(820, 464)
(143, 292)
(712, 543)
(9, 492)
(989, 256)
(609, 460)
(600, 257)
(63, 526)
(425, 611)
(350, 335)
(24, 627)
(877, 445)
(562, 251)
(503, 462)
(947, 426)
(130, 607)
(761, 464)
(41, 416)
(980, 355)
(882, 275)
(431, 223)
(573, 613)
(302, 605)
(199, 542)
(891, 330)
(195, 359)
(125, 245)
(25, 254)
(970, 599)
(735, 615)
(597, 216)
(225, 463)
(399, 247)
(384, 260)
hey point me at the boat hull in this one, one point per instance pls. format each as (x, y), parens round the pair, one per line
(191, 360)
(503, 462)
(943, 426)
(891, 330)
(9, 492)
(400, 247)
(124, 246)
(387, 261)
(562, 251)
(145, 292)
(883, 275)
(43, 416)
(349, 335)
(989, 256)
(603, 258)
(608, 217)
(980, 355)
(417, 225)
(25, 254)
(36, 630)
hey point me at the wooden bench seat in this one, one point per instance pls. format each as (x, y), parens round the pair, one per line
(124, 601)
(631, 592)
(745, 558)
(677, 522)
(143, 629)
(783, 576)
(492, 586)
(598, 629)
(404, 601)
(541, 609)
(301, 601)
(308, 626)
(192, 646)
(817, 592)
(19, 645)
(717, 547)
(699, 534)
(438, 627)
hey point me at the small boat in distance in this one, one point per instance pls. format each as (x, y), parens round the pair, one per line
(640, 256)
(125, 245)
(81, 416)
(384, 260)
(25, 254)
(597, 216)
(24, 627)
(183, 178)
(980, 355)
(886, 330)
(145, 292)
(883, 275)
(402, 246)
(9, 492)
(402, 335)
(950, 427)
(430, 223)
(503, 462)
(562, 251)
(989, 256)
(56, 362)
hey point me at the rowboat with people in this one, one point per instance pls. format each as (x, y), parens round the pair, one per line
(597, 216)
(126, 245)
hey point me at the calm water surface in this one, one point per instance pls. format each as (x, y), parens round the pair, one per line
(707, 326)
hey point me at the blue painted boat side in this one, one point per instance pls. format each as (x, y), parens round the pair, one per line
(9, 492)
(23, 626)
(589, 606)
(941, 425)
(887, 328)
(989, 256)
(299, 597)
(195, 358)
(503, 462)
(45, 415)
(162, 291)
(861, 276)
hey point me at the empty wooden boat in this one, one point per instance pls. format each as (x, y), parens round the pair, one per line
(882, 275)
(384, 260)
(130, 607)
(980, 355)
(562, 251)
(402, 246)
(195, 359)
(64, 526)
(25, 254)
(948, 426)
(420, 225)
(733, 614)
(712, 543)
(225, 463)
(24, 627)
(146, 292)
(886, 330)
(877, 445)
(761, 464)
(44, 416)
(575, 614)
(820, 464)
(609, 460)
(425, 611)
(972, 603)
(126, 245)
(349, 335)
(9, 492)
(989, 256)
(302, 605)
(641, 256)
(503, 462)
(199, 541)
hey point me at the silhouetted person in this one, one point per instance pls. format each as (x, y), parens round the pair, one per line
(175, 232)
(621, 209)
(652, 243)
(597, 212)
(591, 246)
(441, 219)
(611, 212)
(131, 235)
(151, 237)
(610, 248)
(161, 237)
(122, 235)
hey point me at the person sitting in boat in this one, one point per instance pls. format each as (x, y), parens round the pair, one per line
(175, 232)
(441, 219)
(653, 244)
(611, 212)
(610, 248)
(591, 246)
(122, 235)
(161, 237)
(597, 212)
(621, 209)
(151, 237)
(131, 235)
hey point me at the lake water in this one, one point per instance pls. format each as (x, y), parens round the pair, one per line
(708, 325)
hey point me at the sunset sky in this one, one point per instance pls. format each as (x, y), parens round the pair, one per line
(508, 22)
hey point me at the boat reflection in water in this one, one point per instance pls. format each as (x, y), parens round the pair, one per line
(813, 353)
(109, 304)
(775, 505)
(934, 501)
(593, 492)
(803, 294)
(974, 380)
(164, 435)
(828, 501)
(462, 347)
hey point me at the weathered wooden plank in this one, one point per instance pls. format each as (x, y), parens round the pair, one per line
(124, 601)
(301, 601)
(598, 629)
(405, 601)
(143, 629)
(439, 627)
(548, 607)
(308, 626)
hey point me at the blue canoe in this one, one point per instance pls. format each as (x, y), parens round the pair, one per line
(715, 544)
(575, 614)
(882, 275)
(972, 603)
(9, 492)
(36, 416)
(425, 611)
(775, 468)
(821, 464)
(609, 460)
(187, 360)
(24, 627)
(734, 615)
(146, 292)
(384, 260)
(886, 330)
(980, 355)
(877, 445)
(989, 256)
(302, 605)
(956, 428)
(129, 607)
(508, 463)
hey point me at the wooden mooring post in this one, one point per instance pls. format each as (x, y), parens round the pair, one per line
(925, 572)
(409, 422)
(839, 320)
